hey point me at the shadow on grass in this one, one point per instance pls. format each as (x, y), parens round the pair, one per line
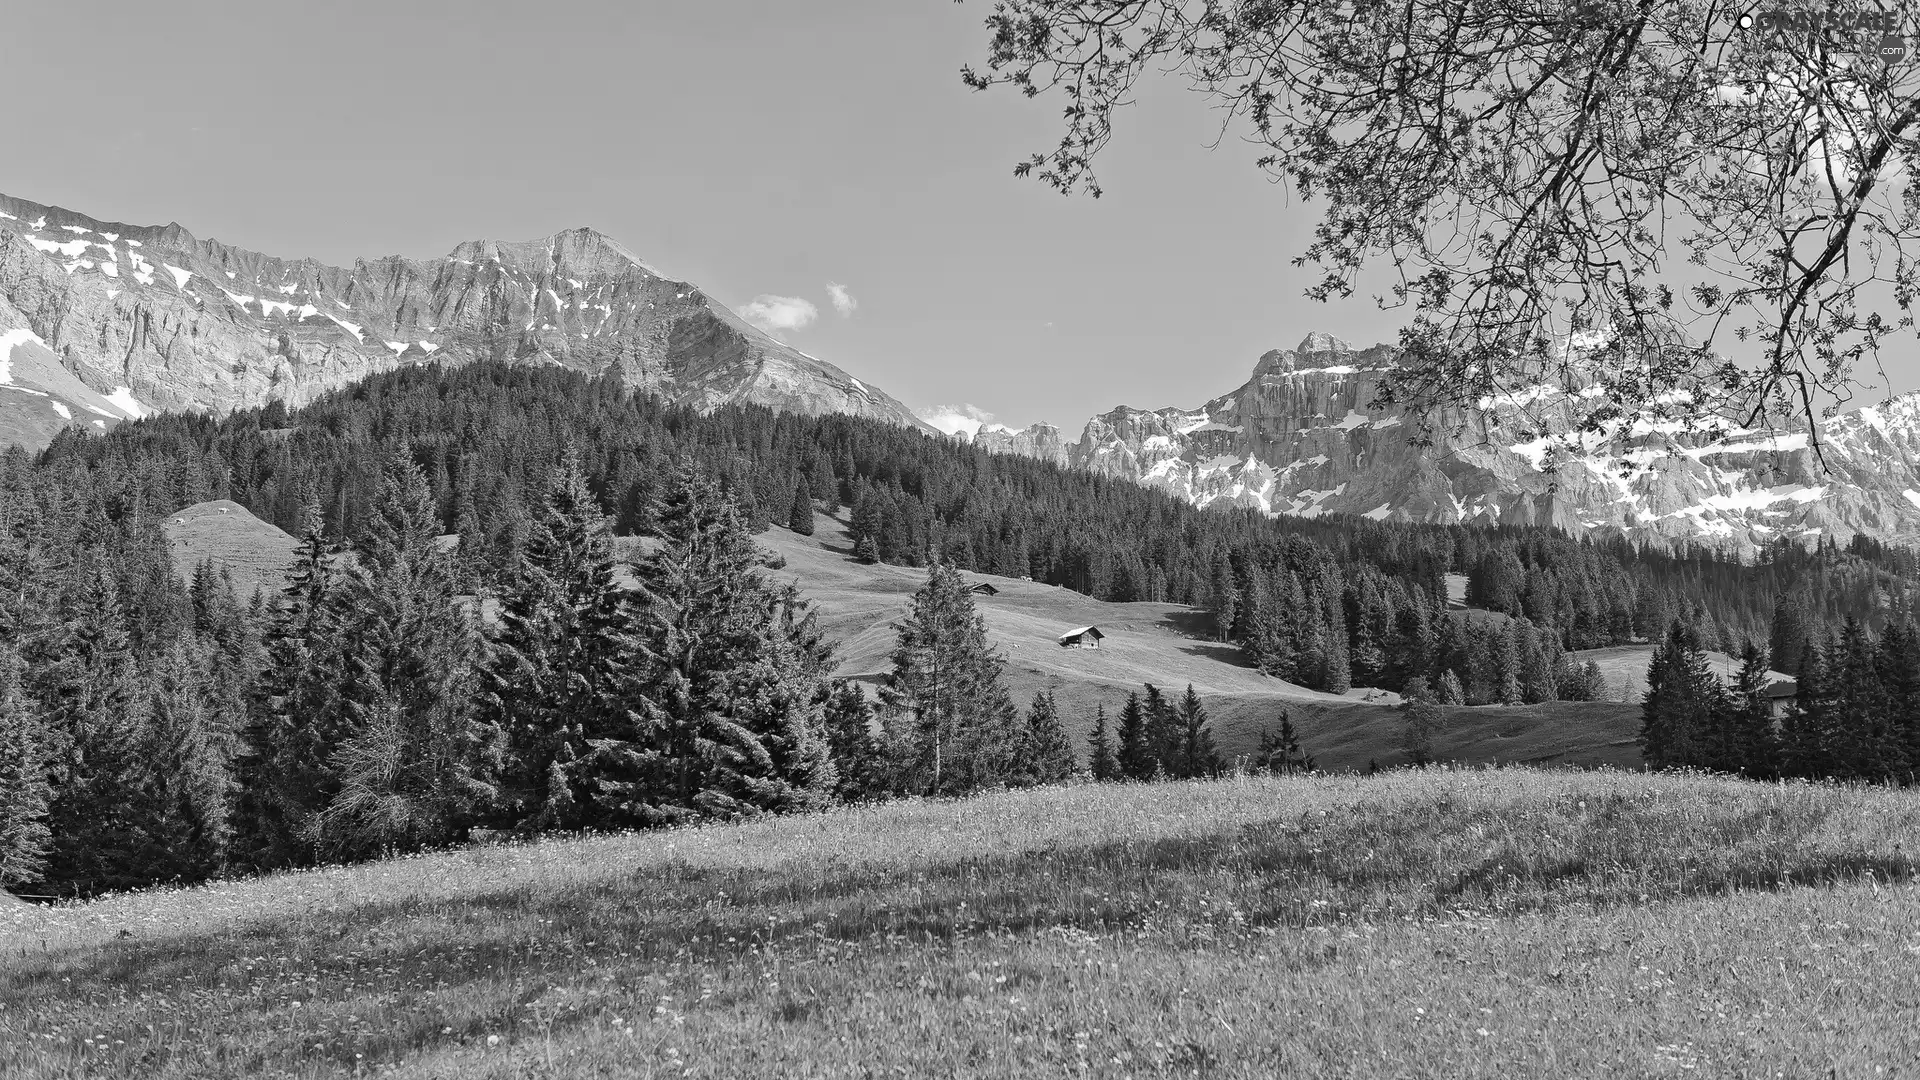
(1407, 858)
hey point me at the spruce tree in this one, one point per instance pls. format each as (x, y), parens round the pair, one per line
(97, 830)
(1198, 757)
(947, 678)
(1163, 732)
(1136, 756)
(1755, 750)
(560, 675)
(730, 706)
(800, 516)
(1226, 596)
(24, 791)
(1101, 761)
(419, 763)
(1424, 720)
(1683, 699)
(297, 717)
(859, 762)
(181, 803)
(1805, 745)
(1046, 755)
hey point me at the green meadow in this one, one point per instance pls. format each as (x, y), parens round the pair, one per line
(1458, 923)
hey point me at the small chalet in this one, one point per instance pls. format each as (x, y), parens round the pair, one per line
(1780, 695)
(984, 588)
(1087, 637)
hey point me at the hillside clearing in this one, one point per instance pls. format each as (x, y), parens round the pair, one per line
(1451, 923)
(1168, 645)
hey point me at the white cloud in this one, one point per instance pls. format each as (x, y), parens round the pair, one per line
(953, 419)
(843, 301)
(776, 313)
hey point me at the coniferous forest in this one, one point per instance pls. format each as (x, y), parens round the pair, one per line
(158, 727)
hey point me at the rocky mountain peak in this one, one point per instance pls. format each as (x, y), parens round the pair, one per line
(1322, 343)
(579, 252)
(157, 318)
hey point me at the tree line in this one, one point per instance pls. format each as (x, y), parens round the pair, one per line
(1855, 715)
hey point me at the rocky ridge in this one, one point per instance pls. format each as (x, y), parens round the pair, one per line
(1301, 437)
(152, 317)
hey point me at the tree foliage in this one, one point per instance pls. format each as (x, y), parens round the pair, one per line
(1657, 182)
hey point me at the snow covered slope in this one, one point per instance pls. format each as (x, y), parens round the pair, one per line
(1301, 437)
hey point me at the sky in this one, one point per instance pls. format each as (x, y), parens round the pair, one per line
(816, 165)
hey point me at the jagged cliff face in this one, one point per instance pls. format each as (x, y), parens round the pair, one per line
(154, 318)
(1301, 438)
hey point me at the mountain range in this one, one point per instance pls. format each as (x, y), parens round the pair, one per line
(1305, 436)
(101, 322)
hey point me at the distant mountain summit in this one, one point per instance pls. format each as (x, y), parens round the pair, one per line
(1301, 437)
(156, 318)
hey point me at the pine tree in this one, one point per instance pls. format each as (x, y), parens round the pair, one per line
(1163, 732)
(1280, 752)
(1226, 596)
(1136, 755)
(731, 703)
(1424, 722)
(97, 830)
(1862, 746)
(859, 762)
(1683, 697)
(1102, 762)
(1789, 635)
(1198, 757)
(297, 717)
(1451, 692)
(181, 802)
(24, 791)
(1046, 755)
(947, 678)
(418, 764)
(561, 669)
(800, 517)
(1755, 751)
(1805, 746)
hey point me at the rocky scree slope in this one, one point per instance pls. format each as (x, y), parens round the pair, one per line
(1301, 437)
(147, 317)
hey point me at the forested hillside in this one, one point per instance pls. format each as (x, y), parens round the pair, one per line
(1324, 602)
(153, 729)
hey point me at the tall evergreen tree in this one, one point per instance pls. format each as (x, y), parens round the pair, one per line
(297, 717)
(1682, 702)
(1046, 755)
(800, 515)
(419, 764)
(731, 704)
(1136, 755)
(859, 762)
(561, 674)
(947, 678)
(24, 791)
(1101, 760)
(1198, 757)
(1755, 750)
(1424, 721)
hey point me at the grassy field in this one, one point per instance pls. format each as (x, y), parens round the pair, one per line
(1170, 646)
(1497, 923)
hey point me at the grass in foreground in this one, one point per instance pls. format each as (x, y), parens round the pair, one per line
(1506, 923)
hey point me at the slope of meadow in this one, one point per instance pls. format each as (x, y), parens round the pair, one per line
(1170, 646)
(1491, 923)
